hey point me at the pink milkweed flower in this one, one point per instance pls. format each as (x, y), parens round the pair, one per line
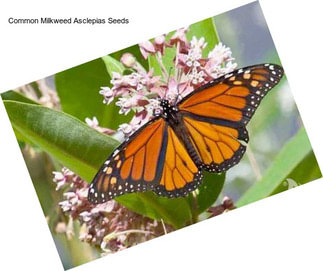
(160, 44)
(197, 77)
(61, 178)
(172, 90)
(149, 80)
(154, 108)
(139, 119)
(179, 37)
(125, 104)
(128, 60)
(123, 81)
(107, 94)
(198, 43)
(193, 57)
(94, 123)
(175, 91)
(146, 48)
(214, 70)
(220, 54)
(76, 202)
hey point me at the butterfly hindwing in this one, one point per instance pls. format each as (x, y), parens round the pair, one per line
(180, 174)
(217, 146)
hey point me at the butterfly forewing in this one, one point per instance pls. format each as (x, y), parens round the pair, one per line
(233, 97)
(135, 166)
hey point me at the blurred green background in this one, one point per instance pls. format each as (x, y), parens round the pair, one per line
(279, 154)
(277, 120)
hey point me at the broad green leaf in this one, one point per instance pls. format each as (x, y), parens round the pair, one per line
(284, 164)
(112, 65)
(307, 171)
(78, 89)
(206, 195)
(209, 190)
(83, 150)
(15, 96)
(73, 143)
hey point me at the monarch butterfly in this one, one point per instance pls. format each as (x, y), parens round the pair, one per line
(204, 131)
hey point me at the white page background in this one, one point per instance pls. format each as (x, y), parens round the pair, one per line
(283, 232)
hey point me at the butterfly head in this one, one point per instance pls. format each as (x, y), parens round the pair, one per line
(167, 109)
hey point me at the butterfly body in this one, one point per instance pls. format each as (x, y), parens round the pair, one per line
(172, 115)
(206, 130)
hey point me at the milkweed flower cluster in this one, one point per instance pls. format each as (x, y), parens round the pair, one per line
(108, 225)
(141, 90)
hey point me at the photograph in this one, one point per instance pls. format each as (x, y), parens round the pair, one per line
(174, 130)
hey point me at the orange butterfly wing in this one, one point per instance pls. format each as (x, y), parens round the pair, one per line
(180, 174)
(233, 97)
(216, 114)
(217, 146)
(134, 166)
(152, 159)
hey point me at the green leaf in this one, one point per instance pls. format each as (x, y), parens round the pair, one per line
(78, 89)
(112, 65)
(15, 96)
(206, 195)
(76, 145)
(307, 171)
(285, 163)
(209, 190)
(83, 150)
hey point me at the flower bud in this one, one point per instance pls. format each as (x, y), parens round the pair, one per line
(128, 60)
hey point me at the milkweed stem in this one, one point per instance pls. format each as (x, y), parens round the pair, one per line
(253, 163)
